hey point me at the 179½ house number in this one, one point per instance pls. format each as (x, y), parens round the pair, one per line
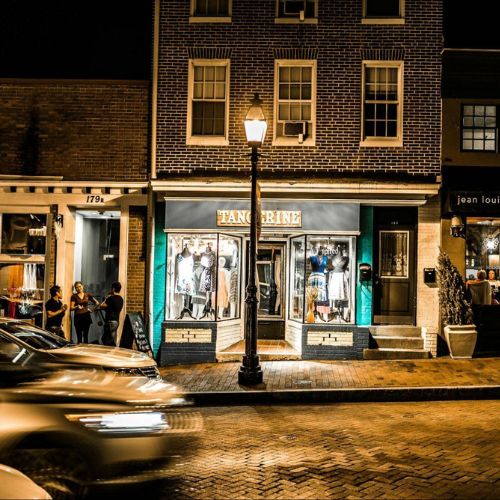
(95, 198)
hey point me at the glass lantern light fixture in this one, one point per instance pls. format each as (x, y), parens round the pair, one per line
(255, 123)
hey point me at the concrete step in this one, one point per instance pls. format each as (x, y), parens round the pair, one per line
(396, 331)
(225, 357)
(396, 342)
(386, 353)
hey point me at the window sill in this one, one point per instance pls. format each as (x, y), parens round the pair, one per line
(388, 20)
(381, 143)
(294, 20)
(207, 141)
(293, 142)
(196, 19)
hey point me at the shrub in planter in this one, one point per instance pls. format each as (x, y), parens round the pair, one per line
(455, 308)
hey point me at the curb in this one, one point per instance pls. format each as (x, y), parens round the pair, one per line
(353, 395)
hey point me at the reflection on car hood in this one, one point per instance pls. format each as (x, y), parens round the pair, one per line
(99, 355)
(104, 386)
(14, 484)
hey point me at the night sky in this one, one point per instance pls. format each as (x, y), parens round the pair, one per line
(104, 39)
(111, 39)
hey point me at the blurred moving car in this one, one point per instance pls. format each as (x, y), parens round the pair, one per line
(30, 344)
(15, 485)
(76, 429)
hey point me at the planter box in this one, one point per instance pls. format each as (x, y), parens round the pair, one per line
(461, 340)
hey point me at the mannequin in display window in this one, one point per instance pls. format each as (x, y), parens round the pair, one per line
(184, 283)
(338, 283)
(199, 298)
(317, 279)
(207, 279)
(223, 287)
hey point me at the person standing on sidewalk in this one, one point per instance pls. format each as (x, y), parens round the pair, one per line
(82, 318)
(112, 305)
(55, 310)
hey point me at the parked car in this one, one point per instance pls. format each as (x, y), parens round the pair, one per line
(31, 344)
(15, 485)
(78, 429)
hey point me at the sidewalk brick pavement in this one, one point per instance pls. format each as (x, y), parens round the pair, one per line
(317, 375)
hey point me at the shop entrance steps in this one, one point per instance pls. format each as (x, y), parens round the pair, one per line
(396, 342)
(267, 350)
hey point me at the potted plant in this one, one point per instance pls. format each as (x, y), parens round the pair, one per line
(455, 308)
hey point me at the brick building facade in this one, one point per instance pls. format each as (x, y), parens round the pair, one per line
(73, 172)
(351, 93)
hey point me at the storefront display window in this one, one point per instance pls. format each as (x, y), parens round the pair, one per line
(22, 291)
(394, 254)
(203, 277)
(324, 277)
(297, 277)
(23, 234)
(483, 248)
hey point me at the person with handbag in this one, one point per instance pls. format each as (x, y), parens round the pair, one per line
(112, 306)
(82, 318)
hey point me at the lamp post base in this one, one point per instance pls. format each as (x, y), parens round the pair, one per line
(250, 371)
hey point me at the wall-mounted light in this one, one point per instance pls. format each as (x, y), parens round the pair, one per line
(457, 228)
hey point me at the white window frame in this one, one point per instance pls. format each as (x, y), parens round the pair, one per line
(383, 141)
(477, 128)
(193, 18)
(198, 140)
(296, 20)
(294, 141)
(384, 20)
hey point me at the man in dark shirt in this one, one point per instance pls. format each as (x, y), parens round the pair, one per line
(55, 310)
(112, 305)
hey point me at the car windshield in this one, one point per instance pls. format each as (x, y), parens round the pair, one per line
(33, 336)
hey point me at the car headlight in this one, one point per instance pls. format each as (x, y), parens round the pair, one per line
(123, 423)
(128, 372)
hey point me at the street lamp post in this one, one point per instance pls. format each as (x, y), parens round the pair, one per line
(250, 372)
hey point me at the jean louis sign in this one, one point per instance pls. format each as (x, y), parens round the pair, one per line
(475, 201)
(270, 218)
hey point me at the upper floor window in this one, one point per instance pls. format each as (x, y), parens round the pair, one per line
(479, 128)
(208, 102)
(210, 10)
(383, 11)
(293, 11)
(295, 102)
(382, 103)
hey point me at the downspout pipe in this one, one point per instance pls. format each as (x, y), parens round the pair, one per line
(151, 196)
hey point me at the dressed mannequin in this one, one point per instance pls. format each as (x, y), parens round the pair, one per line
(184, 283)
(207, 278)
(199, 298)
(223, 285)
(317, 279)
(338, 282)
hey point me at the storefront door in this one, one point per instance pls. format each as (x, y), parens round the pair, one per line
(394, 292)
(97, 244)
(271, 290)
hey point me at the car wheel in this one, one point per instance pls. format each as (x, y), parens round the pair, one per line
(63, 473)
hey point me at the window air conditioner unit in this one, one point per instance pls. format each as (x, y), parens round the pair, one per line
(295, 129)
(295, 8)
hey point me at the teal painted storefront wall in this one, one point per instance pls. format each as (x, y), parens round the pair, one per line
(160, 246)
(365, 254)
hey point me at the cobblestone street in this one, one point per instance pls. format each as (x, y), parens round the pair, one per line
(392, 450)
